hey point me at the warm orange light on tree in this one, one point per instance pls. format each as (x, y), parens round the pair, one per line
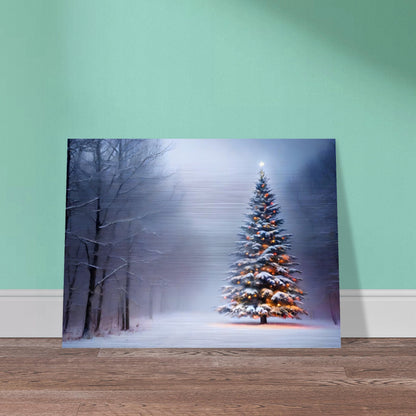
(270, 285)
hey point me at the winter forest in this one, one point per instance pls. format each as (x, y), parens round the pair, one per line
(201, 243)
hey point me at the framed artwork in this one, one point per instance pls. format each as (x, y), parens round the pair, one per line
(202, 243)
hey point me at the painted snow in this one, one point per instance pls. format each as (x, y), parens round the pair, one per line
(197, 330)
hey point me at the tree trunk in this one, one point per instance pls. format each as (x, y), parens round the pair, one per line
(87, 332)
(127, 302)
(263, 320)
(127, 283)
(68, 308)
(88, 311)
(123, 315)
(100, 305)
(71, 284)
(71, 288)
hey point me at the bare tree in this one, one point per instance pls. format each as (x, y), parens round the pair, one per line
(109, 199)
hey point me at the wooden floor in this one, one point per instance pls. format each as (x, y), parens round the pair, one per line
(364, 377)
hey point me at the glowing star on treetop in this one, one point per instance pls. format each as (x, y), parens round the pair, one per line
(261, 164)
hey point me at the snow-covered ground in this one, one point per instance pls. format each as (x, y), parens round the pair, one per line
(193, 330)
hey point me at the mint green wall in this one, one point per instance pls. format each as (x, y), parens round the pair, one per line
(201, 68)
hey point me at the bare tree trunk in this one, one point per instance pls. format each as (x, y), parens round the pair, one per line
(92, 269)
(123, 315)
(91, 291)
(68, 305)
(263, 320)
(119, 315)
(67, 312)
(127, 299)
(100, 304)
(67, 309)
(71, 288)
(101, 291)
(127, 286)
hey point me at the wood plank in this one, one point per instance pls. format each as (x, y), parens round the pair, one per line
(364, 377)
(391, 365)
(31, 408)
(41, 352)
(403, 368)
(350, 347)
(31, 342)
(357, 400)
(313, 409)
(124, 376)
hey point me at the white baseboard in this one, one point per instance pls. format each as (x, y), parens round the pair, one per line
(31, 313)
(374, 313)
(364, 313)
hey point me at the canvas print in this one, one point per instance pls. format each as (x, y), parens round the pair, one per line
(202, 243)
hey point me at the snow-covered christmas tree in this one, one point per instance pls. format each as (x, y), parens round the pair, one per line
(261, 282)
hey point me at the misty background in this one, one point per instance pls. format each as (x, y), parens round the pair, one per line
(151, 224)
